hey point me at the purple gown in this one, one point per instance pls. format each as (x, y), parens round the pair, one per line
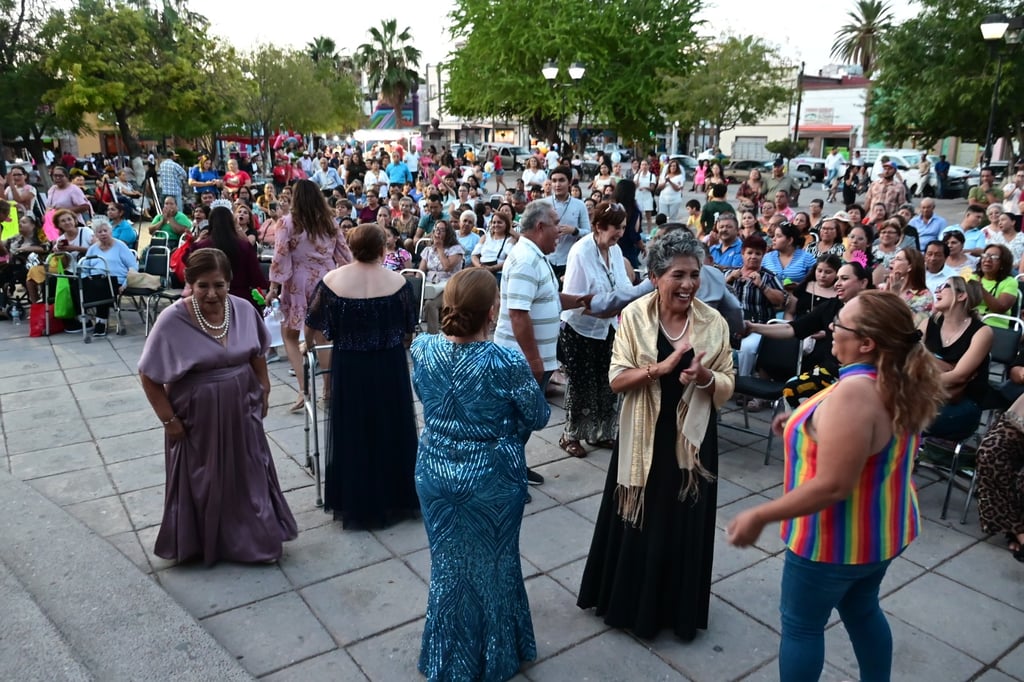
(223, 500)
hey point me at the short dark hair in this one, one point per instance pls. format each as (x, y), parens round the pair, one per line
(718, 191)
(205, 261)
(941, 244)
(693, 203)
(562, 170)
(755, 242)
(974, 208)
(366, 242)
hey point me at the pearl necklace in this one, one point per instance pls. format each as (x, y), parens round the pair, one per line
(211, 328)
(671, 338)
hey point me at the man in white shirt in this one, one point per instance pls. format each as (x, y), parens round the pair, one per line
(412, 162)
(833, 164)
(327, 178)
(552, 157)
(573, 220)
(307, 163)
(528, 319)
(857, 161)
(935, 269)
(1013, 193)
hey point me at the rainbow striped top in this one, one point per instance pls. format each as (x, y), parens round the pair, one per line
(879, 518)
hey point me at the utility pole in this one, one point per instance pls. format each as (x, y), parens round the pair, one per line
(799, 102)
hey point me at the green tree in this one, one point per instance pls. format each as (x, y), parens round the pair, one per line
(286, 90)
(496, 71)
(858, 42)
(134, 63)
(391, 64)
(738, 81)
(917, 95)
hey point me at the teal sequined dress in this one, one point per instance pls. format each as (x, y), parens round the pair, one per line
(480, 403)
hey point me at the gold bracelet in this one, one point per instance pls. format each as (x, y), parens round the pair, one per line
(650, 378)
(710, 381)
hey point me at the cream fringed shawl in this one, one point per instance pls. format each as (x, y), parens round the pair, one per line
(636, 346)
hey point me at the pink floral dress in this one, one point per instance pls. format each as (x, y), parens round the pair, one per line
(299, 264)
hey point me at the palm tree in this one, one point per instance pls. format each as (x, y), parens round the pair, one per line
(857, 42)
(391, 64)
(322, 48)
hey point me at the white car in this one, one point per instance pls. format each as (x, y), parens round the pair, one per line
(906, 164)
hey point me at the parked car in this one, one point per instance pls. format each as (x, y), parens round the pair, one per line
(738, 171)
(513, 157)
(907, 168)
(459, 150)
(812, 165)
(609, 149)
(688, 163)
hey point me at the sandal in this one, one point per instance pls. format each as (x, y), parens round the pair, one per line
(1015, 547)
(606, 444)
(573, 447)
(755, 405)
(298, 407)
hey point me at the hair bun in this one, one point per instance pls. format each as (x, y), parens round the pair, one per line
(455, 322)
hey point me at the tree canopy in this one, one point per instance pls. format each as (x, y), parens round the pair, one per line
(917, 94)
(502, 47)
(390, 63)
(738, 81)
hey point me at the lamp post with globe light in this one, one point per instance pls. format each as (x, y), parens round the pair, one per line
(576, 72)
(995, 30)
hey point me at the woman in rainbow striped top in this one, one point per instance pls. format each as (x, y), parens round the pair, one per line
(850, 506)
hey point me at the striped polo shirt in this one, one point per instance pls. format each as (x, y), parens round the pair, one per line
(879, 518)
(528, 283)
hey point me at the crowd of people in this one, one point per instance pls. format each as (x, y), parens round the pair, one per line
(638, 301)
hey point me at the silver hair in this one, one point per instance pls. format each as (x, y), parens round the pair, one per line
(468, 214)
(661, 252)
(534, 213)
(101, 220)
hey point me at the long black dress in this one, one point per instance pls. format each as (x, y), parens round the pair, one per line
(371, 434)
(659, 575)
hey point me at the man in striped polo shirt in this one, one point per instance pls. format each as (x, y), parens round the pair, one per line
(530, 300)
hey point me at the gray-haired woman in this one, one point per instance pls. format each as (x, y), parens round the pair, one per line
(650, 560)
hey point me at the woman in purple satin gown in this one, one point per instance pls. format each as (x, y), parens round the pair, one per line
(204, 373)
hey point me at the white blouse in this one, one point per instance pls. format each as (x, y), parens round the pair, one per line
(587, 273)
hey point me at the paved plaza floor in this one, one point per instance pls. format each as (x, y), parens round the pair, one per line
(347, 605)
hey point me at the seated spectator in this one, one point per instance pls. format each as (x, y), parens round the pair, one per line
(936, 272)
(1000, 479)
(830, 240)
(395, 257)
(788, 261)
(818, 286)
(958, 259)
(368, 213)
(24, 251)
(890, 234)
(440, 260)
(955, 334)
(492, 250)
(245, 265)
(727, 250)
(468, 236)
(998, 285)
(246, 223)
(201, 221)
(760, 295)
(122, 229)
(74, 239)
(101, 277)
(171, 223)
(906, 280)
(1006, 231)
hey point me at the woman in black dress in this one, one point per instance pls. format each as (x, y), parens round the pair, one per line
(650, 560)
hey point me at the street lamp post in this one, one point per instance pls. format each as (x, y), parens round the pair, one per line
(576, 72)
(995, 30)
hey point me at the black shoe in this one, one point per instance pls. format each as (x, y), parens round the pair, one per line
(72, 327)
(100, 329)
(533, 478)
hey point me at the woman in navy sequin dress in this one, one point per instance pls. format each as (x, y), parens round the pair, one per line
(366, 311)
(480, 403)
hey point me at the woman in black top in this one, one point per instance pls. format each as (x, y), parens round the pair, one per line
(961, 342)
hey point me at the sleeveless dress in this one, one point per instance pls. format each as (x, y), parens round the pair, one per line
(658, 575)
(480, 403)
(371, 430)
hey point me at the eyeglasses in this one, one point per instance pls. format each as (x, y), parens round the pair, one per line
(947, 285)
(837, 325)
(990, 256)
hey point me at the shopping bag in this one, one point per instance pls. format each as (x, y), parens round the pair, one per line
(63, 306)
(37, 320)
(273, 323)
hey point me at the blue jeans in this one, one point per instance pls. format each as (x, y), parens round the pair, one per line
(810, 590)
(956, 421)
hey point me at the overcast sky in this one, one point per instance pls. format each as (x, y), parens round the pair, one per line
(802, 31)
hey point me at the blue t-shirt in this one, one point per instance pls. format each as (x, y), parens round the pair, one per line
(731, 257)
(204, 176)
(801, 263)
(124, 232)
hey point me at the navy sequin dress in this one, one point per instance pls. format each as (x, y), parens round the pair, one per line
(480, 403)
(371, 433)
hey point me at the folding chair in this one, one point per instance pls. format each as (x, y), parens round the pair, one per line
(421, 284)
(948, 459)
(1005, 342)
(147, 301)
(105, 295)
(780, 360)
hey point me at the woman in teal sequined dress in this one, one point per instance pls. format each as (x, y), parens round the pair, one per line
(480, 403)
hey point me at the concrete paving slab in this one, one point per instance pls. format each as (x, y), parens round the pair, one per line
(208, 591)
(571, 479)
(729, 492)
(588, 507)
(136, 474)
(145, 507)
(557, 622)
(75, 486)
(539, 501)
(105, 516)
(147, 540)
(271, 634)
(68, 429)
(118, 402)
(769, 541)
(37, 397)
(329, 551)
(403, 537)
(88, 391)
(29, 382)
(128, 544)
(755, 591)
(334, 665)
(539, 451)
(121, 448)
(132, 421)
(17, 366)
(935, 544)
(970, 621)
(730, 560)
(745, 468)
(363, 603)
(109, 370)
(391, 655)
(612, 655)
(570, 576)
(30, 419)
(916, 655)
(1013, 662)
(554, 537)
(769, 672)
(733, 645)
(55, 460)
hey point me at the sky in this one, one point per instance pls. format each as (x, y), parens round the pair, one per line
(803, 31)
